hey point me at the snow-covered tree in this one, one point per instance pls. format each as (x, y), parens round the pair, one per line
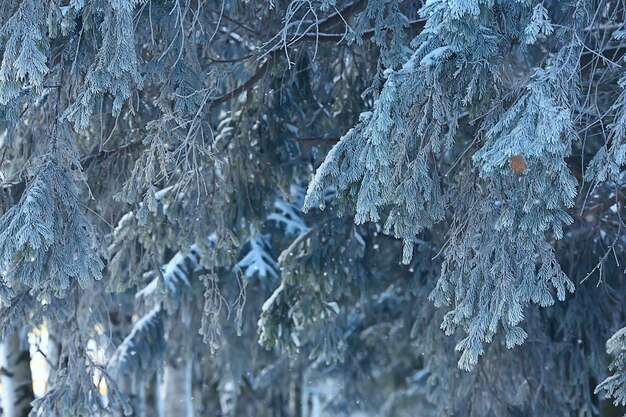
(291, 207)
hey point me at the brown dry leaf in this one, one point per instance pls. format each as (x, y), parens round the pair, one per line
(518, 164)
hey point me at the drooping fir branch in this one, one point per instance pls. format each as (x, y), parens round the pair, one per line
(267, 59)
(47, 242)
(386, 166)
(615, 385)
(115, 69)
(24, 47)
(497, 259)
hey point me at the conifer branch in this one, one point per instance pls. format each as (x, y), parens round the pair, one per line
(271, 56)
(316, 140)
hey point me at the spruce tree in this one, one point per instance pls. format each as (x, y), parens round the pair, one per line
(299, 207)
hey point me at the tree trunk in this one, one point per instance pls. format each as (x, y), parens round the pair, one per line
(53, 353)
(177, 390)
(17, 381)
(158, 386)
(140, 401)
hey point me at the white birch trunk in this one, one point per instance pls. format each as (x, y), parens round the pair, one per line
(178, 390)
(17, 382)
(158, 386)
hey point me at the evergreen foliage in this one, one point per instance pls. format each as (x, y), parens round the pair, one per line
(258, 259)
(615, 385)
(24, 50)
(141, 350)
(386, 207)
(47, 242)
